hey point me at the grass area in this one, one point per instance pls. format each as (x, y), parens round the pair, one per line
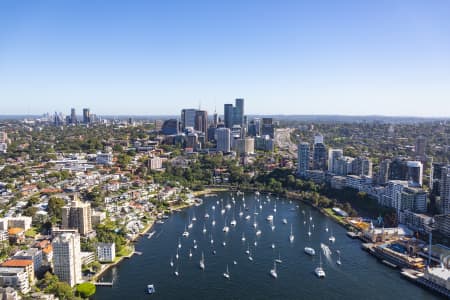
(125, 251)
(31, 232)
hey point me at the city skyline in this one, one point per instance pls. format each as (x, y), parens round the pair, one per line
(318, 58)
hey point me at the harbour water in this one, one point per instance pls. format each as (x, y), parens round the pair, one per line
(360, 276)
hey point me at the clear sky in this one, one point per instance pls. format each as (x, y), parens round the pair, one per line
(352, 57)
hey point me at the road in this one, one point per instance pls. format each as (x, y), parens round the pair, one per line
(284, 143)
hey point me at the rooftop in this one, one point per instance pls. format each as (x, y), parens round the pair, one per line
(13, 263)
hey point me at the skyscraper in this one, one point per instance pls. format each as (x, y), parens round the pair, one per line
(421, 143)
(303, 159)
(415, 173)
(188, 118)
(445, 190)
(319, 153)
(238, 112)
(228, 115)
(73, 116)
(86, 116)
(362, 166)
(383, 171)
(223, 139)
(201, 121)
(333, 156)
(67, 258)
(268, 127)
(77, 215)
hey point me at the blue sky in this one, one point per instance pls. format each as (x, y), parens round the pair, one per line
(352, 57)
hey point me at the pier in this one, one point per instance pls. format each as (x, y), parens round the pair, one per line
(110, 284)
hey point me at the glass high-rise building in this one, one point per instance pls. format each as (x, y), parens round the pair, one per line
(238, 112)
(228, 115)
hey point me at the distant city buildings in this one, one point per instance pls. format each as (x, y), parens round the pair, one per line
(106, 252)
(319, 154)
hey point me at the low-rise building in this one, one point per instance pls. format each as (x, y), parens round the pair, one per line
(416, 221)
(16, 278)
(33, 254)
(25, 264)
(106, 252)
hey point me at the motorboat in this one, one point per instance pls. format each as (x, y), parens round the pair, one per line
(151, 289)
(310, 251)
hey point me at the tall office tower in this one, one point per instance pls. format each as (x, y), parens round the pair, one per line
(77, 215)
(268, 128)
(245, 146)
(188, 118)
(86, 116)
(383, 171)
(362, 166)
(238, 112)
(435, 177)
(444, 190)
(319, 153)
(223, 137)
(415, 173)
(303, 159)
(3, 137)
(421, 144)
(201, 121)
(215, 119)
(398, 169)
(333, 156)
(73, 116)
(67, 258)
(254, 127)
(228, 115)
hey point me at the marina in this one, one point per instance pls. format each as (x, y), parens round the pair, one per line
(241, 268)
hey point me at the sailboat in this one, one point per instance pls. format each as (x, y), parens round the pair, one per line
(275, 207)
(248, 250)
(310, 217)
(179, 244)
(278, 260)
(273, 272)
(338, 261)
(212, 241)
(332, 238)
(206, 216)
(177, 255)
(194, 218)
(185, 233)
(233, 222)
(226, 274)
(326, 228)
(309, 230)
(195, 244)
(250, 258)
(213, 223)
(254, 222)
(190, 224)
(190, 253)
(273, 246)
(202, 262)
(319, 270)
(171, 262)
(176, 273)
(291, 236)
(241, 213)
(204, 228)
(226, 228)
(243, 237)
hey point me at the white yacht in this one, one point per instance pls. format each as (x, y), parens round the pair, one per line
(247, 217)
(186, 233)
(224, 243)
(325, 249)
(226, 228)
(202, 262)
(273, 246)
(228, 206)
(285, 221)
(291, 236)
(258, 232)
(310, 251)
(319, 270)
(226, 274)
(273, 272)
(206, 216)
(269, 218)
(233, 223)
